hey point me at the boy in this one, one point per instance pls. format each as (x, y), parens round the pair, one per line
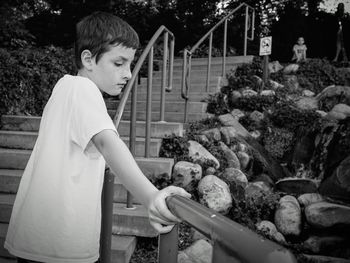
(299, 50)
(57, 213)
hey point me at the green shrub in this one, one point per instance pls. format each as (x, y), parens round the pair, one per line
(252, 103)
(27, 77)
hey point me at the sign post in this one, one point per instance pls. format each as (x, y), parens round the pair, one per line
(265, 50)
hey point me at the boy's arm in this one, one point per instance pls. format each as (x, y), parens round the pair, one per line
(121, 161)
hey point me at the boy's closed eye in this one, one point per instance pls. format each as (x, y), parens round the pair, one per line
(118, 64)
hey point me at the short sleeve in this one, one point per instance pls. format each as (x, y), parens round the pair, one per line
(89, 115)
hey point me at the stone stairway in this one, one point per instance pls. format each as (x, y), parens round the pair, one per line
(18, 135)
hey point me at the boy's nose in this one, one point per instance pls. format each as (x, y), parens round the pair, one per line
(127, 73)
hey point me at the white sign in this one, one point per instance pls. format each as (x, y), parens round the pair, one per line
(265, 46)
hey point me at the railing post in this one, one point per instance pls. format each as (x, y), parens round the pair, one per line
(168, 246)
(132, 132)
(246, 30)
(149, 103)
(224, 50)
(162, 91)
(171, 64)
(209, 62)
(107, 214)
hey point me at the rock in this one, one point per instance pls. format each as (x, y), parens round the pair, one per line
(333, 115)
(255, 134)
(288, 216)
(201, 138)
(274, 67)
(186, 173)
(342, 109)
(323, 259)
(257, 82)
(275, 85)
(297, 185)
(229, 120)
(215, 194)
(269, 229)
(244, 159)
(237, 114)
(321, 113)
(235, 95)
(303, 149)
(256, 116)
(199, 154)
(307, 103)
(308, 93)
(290, 69)
(265, 179)
(249, 93)
(213, 134)
(268, 92)
(257, 189)
(325, 215)
(199, 252)
(291, 82)
(230, 156)
(320, 244)
(337, 186)
(228, 134)
(310, 198)
(233, 175)
(210, 170)
(335, 91)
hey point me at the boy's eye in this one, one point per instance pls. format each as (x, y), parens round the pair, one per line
(118, 64)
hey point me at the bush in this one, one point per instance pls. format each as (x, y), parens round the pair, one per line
(27, 77)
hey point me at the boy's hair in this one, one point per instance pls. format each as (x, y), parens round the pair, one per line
(97, 31)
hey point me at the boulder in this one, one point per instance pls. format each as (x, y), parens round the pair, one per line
(233, 175)
(185, 174)
(341, 108)
(237, 114)
(230, 156)
(337, 186)
(291, 82)
(213, 134)
(293, 185)
(257, 189)
(235, 95)
(201, 138)
(321, 244)
(199, 154)
(288, 216)
(310, 198)
(257, 117)
(210, 170)
(228, 134)
(229, 120)
(199, 252)
(325, 215)
(307, 103)
(274, 66)
(244, 159)
(308, 93)
(215, 194)
(275, 85)
(290, 69)
(268, 92)
(249, 93)
(269, 229)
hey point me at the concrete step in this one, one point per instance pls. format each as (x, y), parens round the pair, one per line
(175, 96)
(4, 254)
(26, 140)
(126, 221)
(122, 247)
(32, 123)
(17, 159)
(169, 106)
(169, 116)
(215, 61)
(132, 221)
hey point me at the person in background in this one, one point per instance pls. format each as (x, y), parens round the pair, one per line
(341, 17)
(299, 50)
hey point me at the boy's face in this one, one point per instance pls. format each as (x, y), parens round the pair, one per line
(300, 40)
(112, 70)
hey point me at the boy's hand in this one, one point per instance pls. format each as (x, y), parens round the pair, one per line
(159, 215)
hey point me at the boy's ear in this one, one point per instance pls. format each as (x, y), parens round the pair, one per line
(86, 59)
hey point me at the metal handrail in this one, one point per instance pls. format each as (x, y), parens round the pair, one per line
(186, 73)
(232, 241)
(108, 185)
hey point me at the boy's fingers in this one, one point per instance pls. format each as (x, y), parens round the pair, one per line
(161, 229)
(160, 220)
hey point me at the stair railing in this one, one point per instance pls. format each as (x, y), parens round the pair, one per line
(187, 54)
(232, 242)
(166, 85)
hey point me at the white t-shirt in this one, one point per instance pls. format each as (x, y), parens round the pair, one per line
(57, 213)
